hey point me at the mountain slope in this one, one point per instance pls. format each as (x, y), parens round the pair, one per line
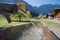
(44, 9)
(47, 8)
(32, 9)
(35, 11)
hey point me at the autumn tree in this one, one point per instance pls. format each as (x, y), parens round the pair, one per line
(21, 6)
(28, 14)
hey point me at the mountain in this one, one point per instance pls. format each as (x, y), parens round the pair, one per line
(35, 11)
(47, 8)
(44, 9)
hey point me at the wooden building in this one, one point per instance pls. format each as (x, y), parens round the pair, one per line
(56, 13)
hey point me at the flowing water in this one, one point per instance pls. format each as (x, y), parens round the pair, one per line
(34, 33)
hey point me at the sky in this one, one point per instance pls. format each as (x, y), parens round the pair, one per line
(40, 2)
(36, 2)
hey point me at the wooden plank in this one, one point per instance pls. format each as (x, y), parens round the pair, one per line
(48, 35)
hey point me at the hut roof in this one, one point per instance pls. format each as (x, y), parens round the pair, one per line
(57, 10)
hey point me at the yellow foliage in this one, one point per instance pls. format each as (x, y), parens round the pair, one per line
(14, 16)
(21, 6)
(28, 14)
(40, 16)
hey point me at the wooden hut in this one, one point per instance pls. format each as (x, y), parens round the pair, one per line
(56, 13)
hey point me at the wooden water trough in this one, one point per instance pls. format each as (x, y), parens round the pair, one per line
(13, 32)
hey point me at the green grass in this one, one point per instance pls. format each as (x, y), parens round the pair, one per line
(34, 20)
(49, 23)
(4, 23)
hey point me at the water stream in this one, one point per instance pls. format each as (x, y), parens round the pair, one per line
(35, 32)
